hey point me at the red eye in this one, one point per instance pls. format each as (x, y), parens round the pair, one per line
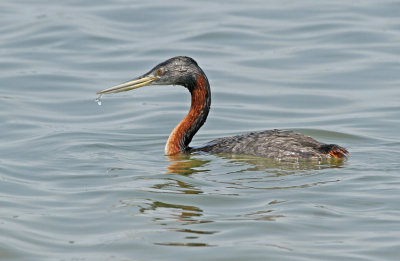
(159, 72)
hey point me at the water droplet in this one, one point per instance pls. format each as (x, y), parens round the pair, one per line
(98, 99)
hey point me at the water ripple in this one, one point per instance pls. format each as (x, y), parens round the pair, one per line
(88, 182)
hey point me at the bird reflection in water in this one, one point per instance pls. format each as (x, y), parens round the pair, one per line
(191, 164)
(185, 164)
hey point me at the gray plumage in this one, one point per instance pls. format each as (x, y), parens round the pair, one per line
(278, 144)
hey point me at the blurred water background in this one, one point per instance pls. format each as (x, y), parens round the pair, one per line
(80, 181)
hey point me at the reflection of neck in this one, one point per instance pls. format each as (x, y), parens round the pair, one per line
(183, 133)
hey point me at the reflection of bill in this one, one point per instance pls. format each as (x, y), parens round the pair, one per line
(176, 218)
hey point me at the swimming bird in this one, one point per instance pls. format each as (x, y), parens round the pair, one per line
(278, 144)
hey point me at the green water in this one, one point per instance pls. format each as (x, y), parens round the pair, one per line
(80, 181)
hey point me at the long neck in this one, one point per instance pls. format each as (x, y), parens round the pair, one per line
(183, 133)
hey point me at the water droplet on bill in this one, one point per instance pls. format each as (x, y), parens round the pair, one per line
(98, 99)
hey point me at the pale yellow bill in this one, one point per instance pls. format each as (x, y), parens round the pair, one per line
(127, 86)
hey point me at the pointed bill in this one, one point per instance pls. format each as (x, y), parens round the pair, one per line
(130, 85)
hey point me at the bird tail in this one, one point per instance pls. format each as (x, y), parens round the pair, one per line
(334, 150)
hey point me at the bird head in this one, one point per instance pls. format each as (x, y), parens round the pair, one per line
(179, 70)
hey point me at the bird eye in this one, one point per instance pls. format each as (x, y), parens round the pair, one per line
(159, 72)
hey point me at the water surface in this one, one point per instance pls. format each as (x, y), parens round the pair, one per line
(80, 181)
